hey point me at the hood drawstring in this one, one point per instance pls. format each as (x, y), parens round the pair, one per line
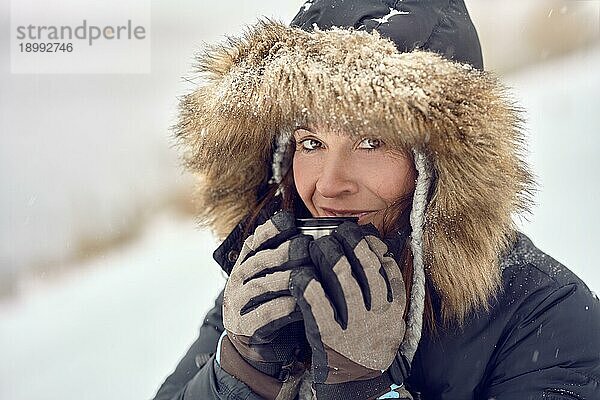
(414, 323)
(282, 157)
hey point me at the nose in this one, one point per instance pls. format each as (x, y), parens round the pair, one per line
(337, 177)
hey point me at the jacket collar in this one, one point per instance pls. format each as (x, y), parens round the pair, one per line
(227, 253)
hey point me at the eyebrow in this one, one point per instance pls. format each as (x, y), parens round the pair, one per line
(305, 129)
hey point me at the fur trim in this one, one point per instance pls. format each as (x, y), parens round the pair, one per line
(277, 78)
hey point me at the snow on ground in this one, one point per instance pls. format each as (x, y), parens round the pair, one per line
(115, 327)
(82, 155)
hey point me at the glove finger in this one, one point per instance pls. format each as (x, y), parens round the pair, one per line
(279, 228)
(325, 253)
(262, 290)
(380, 292)
(390, 270)
(337, 280)
(369, 230)
(349, 235)
(272, 303)
(290, 254)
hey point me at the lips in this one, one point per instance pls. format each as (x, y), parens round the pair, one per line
(329, 212)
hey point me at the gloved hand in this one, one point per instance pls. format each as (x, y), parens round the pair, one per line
(259, 313)
(352, 302)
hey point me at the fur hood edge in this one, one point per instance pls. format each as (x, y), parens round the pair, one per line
(276, 78)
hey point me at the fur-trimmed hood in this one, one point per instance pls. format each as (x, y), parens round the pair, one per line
(276, 78)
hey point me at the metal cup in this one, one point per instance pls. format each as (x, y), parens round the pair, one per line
(321, 226)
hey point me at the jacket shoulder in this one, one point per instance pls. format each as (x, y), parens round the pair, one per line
(550, 335)
(524, 261)
(539, 339)
(537, 289)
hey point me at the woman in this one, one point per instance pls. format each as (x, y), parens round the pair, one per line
(432, 294)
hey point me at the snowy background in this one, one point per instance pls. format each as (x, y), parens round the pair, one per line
(104, 279)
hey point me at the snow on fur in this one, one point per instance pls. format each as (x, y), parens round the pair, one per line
(276, 78)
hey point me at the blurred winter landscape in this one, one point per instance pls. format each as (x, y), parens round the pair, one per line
(104, 279)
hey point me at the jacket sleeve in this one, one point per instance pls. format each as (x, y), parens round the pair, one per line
(553, 352)
(198, 376)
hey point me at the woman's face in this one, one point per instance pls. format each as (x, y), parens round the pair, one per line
(339, 176)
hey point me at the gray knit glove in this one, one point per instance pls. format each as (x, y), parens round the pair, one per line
(352, 302)
(259, 313)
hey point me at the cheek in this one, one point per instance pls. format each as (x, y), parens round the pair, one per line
(304, 177)
(393, 180)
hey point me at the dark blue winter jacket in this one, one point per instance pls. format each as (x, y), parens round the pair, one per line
(540, 340)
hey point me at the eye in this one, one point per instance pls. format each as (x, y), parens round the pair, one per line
(370, 143)
(310, 144)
